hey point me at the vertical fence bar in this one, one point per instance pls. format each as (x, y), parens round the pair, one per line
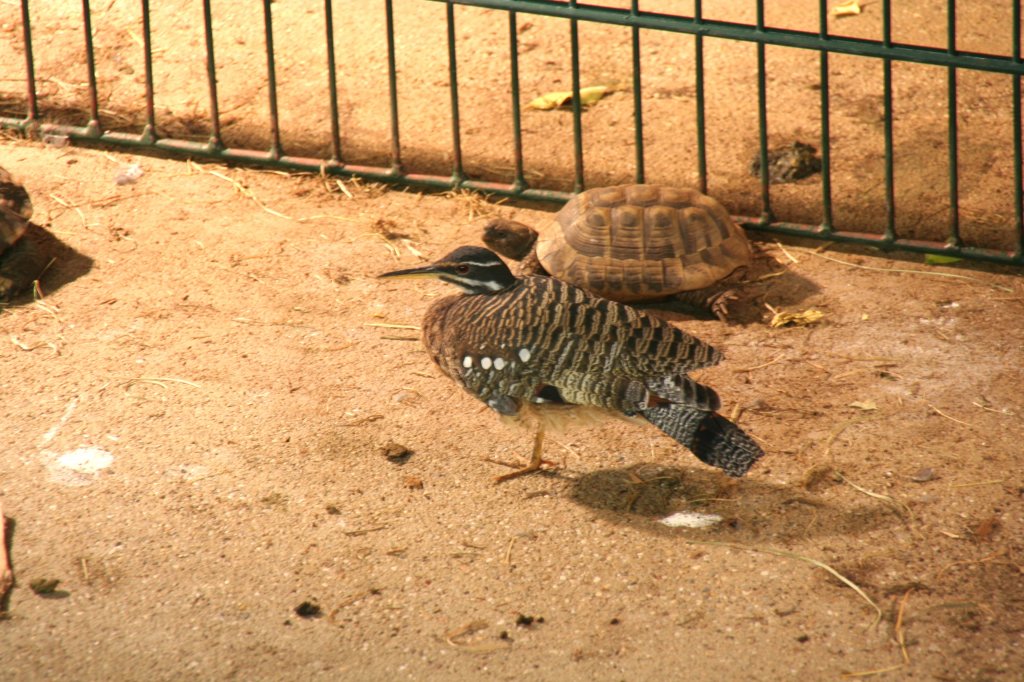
(93, 128)
(954, 184)
(698, 66)
(332, 82)
(275, 122)
(453, 88)
(149, 132)
(826, 138)
(577, 122)
(1018, 161)
(396, 145)
(215, 143)
(32, 112)
(762, 120)
(519, 182)
(890, 191)
(638, 105)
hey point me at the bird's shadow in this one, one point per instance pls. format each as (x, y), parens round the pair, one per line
(59, 265)
(642, 494)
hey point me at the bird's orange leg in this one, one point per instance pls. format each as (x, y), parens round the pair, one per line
(536, 461)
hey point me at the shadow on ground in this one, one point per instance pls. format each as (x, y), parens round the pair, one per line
(59, 264)
(751, 510)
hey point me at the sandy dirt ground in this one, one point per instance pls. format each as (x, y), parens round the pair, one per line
(226, 360)
(199, 404)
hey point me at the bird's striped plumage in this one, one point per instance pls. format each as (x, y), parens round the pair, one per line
(535, 340)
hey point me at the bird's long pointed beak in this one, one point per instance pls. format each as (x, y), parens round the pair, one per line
(428, 271)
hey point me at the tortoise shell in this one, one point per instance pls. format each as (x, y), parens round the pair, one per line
(15, 210)
(641, 242)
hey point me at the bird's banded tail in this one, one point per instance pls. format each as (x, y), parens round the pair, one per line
(713, 438)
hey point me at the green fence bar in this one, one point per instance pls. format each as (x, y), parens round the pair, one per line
(149, 132)
(396, 145)
(698, 66)
(577, 106)
(890, 189)
(32, 115)
(518, 180)
(762, 122)
(216, 142)
(826, 135)
(954, 181)
(1018, 136)
(453, 88)
(638, 104)
(275, 122)
(332, 82)
(93, 126)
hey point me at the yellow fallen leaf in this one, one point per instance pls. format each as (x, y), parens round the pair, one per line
(864, 405)
(809, 316)
(555, 100)
(847, 9)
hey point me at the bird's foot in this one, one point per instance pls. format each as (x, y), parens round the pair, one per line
(521, 470)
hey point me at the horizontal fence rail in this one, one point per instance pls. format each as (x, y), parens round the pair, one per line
(885, 50)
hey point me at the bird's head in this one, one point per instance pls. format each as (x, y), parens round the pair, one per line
(473, 269)
(509, 238)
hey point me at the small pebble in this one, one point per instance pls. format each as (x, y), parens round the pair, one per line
(128, 174)
(691, 520)
(56, 140)
(396, 452)
(923, 475)
(44, 585)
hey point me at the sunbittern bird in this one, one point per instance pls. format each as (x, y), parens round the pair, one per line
(538, 347)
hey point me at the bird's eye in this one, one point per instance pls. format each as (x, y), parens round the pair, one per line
(462, 269)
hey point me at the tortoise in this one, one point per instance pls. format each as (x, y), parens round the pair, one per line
(632, 244)
(23, 253)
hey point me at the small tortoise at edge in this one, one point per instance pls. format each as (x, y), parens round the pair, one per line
(634, 243)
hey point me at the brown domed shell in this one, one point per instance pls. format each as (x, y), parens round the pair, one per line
(15, 210)
(640, 242)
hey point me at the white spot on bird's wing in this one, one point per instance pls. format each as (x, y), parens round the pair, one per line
(499, 363)
(467, 361)
(524, 354)
(485, 362)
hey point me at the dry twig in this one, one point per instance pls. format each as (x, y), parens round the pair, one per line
(878, 496)
(898, 627)
(763, 365)
(387, 325)
(952, 419)
(159, 381)
(870, 673)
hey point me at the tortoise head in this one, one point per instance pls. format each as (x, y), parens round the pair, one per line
(15, 210)
(12, 227)
(473, 269)
(509, 238)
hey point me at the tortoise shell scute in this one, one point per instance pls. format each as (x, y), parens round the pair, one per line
(637, 242)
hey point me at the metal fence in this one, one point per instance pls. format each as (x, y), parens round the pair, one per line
(638, 22)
